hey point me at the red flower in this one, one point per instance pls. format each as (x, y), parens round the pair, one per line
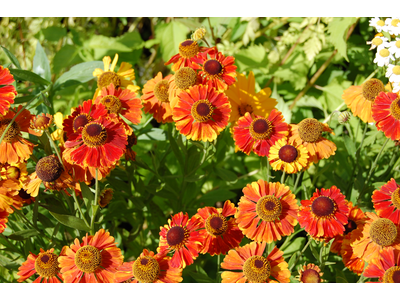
(3, 220)
(386, 201)
(386, 113)
(386, 267)
(7, 91)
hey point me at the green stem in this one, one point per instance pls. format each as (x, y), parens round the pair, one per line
(300, 254)
(283, 177)
(218, 263)
(300, 174)
(94, 204)
(79, 208)
(54, 145)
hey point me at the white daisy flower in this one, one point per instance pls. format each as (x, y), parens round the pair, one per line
(377, 23)
(393, 73)
(377, 41)
(396, 87)
(392, 26)
(383, 57)
(394, 47)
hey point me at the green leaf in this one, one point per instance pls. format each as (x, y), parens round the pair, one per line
(296, 245)
(210, 198)
(79, 73)
(154, 134)
(170, 35)
(53, 33)
(23, 235)
(250, 58)
(350, 147)
(338, 30)
(45, 221)
(340, 276)
(64, 57)
(41, 65)
(23, 99)
(11, 56)
(150, 43)
(24, 75)
(282, 106)
(71, 221)
(200, 275)
(225, 174)
(238, 31)
(312, 47)
(87, 194)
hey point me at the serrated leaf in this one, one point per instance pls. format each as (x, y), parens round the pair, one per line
(11, 56)
(41, 65)
(23, 234)
(79, 73)
(338, 29)
(312, 47)
(71, 221)
(28, 76)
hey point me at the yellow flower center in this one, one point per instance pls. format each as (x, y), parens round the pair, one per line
(244, 108)
(384, 52)
(396, 70)
(396, 198)
(380, 23)
(188, 49)
(371, 88)
(46, 264)
(146, 269)
(161, 91)
(112, 104)
(177, 237)
(107, 78)
(80, 121)
(202, 110)
(310, 276)
(392, 275)
(397, 43)
(377, 41)
(395, 108)
(12, 133)
(395, 22)
(213, 67)
(88, 259)
(383, 232)
(94, 135)
(185, 78)
(13, 173)
(257, 269)
(323, 207)
(269, 208)
(310, 130)
(260, 129)
(216, 224)
(49, 168)
(41, 122)
(288, 153)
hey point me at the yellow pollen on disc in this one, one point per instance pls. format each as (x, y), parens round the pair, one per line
(371, 88)
(161, 91)
(377, 41)
(383, 232)
(244, 108)
(396, 70)
(384, 52)
(13, 173)
(146, 269)
(112, 104)
(395, 108)
(185, 78)
(397, 43)
(260, 129)
(257, 269)
(202, 110)
(46, 264)
(310, 130)
(269, 208)
(107, 78)
(216, 224)
(396, 198)
(88, 259)
(12, 133)
(188, 48)
(392, 275)
(380, 23)
(94, 135)
(395, 22)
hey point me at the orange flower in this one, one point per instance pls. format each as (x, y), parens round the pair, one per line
(376, 234)
(44, 264)
(361, 98)
(16, 172)
(201, 113)
(351, 260)
(386, 201)
(129, 153)
(181, 237)
(149, 268)
(258, 134)
(253, 266)
(267, 211)
(309, 134)
(24, 198)
(183, 79)
(310, 274)
(40, 123)
(386, 113)
(325, 214)
(8, 189)
(3, 220)
(14, 148)
(96, 259)
(220, 234)
(7, 91)
(386, 267)
(156, 98)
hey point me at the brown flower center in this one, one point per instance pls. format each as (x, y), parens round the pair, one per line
(323, 207)
(310, 276)
(23, 194)
(185, 78)
(392, 275)
(288, 153)
(269, 208)
(177, 236)
(188, 49)
(161, 91)
(13, 173)
(49, 168)
(383, 232)
(310, 130)
(46, 264)
(80, 121)
(216, 224)
(371, 88)
(112, 104)
(349, 227)
(94, 135)
(107, 78)
(202, 110)
(244, 108)
(260, 129)
(257, 269)
(132, 140)
(12, 133)
(395, 108)
(88, 259)
(213, 67)
(146, 269)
